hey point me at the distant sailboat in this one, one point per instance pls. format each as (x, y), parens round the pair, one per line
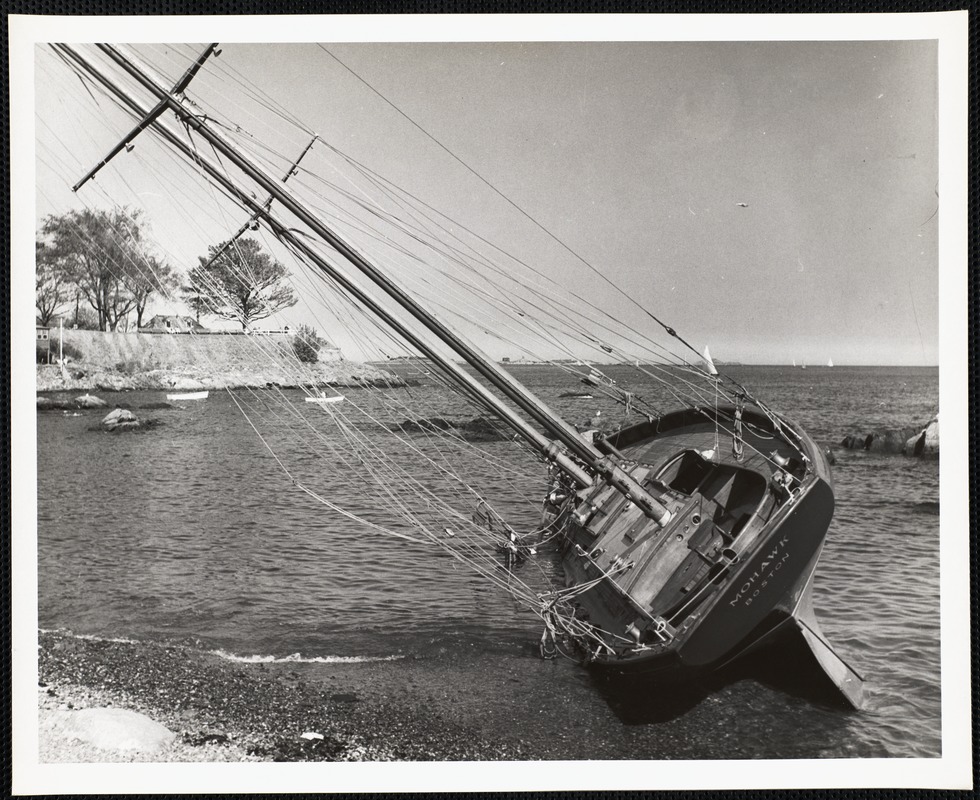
(706, 355)
(794, 362)
(830, 362)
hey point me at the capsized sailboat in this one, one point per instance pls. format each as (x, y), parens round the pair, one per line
(688, 540)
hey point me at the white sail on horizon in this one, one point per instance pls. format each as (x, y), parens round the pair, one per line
(708, 362)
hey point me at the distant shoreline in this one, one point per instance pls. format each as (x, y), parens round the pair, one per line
(118, 362)
(82, 377)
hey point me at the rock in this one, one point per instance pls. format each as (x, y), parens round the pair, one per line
(924, 444)
(117, 729)
(892, 441)
(913, 447)
(930, 443)
(120, 418)
(187, 384)
(887, 441)
(89, 401)
(112, 383)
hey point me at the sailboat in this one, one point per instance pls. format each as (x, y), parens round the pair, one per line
(687, 538)
(830, 362)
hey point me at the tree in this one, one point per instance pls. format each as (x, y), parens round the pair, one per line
(157, 276)
(306, 344)
(51, 286)
(196, 298)
(241, 282)
(102, 253)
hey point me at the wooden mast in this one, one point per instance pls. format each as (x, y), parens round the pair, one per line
(565, 435)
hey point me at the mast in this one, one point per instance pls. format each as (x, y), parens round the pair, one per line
(511, 388)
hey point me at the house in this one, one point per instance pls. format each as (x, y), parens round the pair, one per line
(43, 350)
(173, 323)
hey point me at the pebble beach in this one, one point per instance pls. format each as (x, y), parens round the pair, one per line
(226, 711)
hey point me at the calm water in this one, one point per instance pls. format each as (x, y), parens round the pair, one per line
(192, 533)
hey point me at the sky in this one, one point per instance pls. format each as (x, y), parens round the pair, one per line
(777, 201)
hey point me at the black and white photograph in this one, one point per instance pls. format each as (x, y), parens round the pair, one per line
(474, 403)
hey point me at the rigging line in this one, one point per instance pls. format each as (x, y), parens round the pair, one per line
(438, 540)
(468, 286)
(226, 72)
(323, 500)
(383, 458)
(668, 329)
(550, 298)
(493, 267)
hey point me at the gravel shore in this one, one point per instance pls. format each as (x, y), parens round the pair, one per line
(228, 711)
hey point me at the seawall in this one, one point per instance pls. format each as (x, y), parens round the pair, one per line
(120, 361)
(147, 351)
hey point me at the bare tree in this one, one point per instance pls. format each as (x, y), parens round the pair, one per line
(156, 276)
(51, 286)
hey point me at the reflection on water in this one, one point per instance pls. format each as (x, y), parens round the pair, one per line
(193, 533)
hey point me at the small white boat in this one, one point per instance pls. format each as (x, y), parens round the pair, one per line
(322, 398)
(830, 362)
(188, 396)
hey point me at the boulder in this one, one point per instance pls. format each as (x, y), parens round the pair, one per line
(89, 401)
(117, 729)
(890, 441)
(120, 418)
(924, 444)
(187, 384)
(930, 443)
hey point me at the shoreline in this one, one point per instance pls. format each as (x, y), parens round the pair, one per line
(222, 710)
(452, 704)
(87, 377)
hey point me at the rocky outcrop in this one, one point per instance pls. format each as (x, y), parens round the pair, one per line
(89, 401)
(183, 384)
(83, 376)
(922, 443)
(478, 429)
(122, 419)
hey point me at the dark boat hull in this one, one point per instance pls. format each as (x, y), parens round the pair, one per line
(756, 601)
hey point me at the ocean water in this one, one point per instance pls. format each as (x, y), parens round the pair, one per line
(194, 533)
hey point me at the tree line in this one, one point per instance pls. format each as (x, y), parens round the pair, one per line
(97, 268)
